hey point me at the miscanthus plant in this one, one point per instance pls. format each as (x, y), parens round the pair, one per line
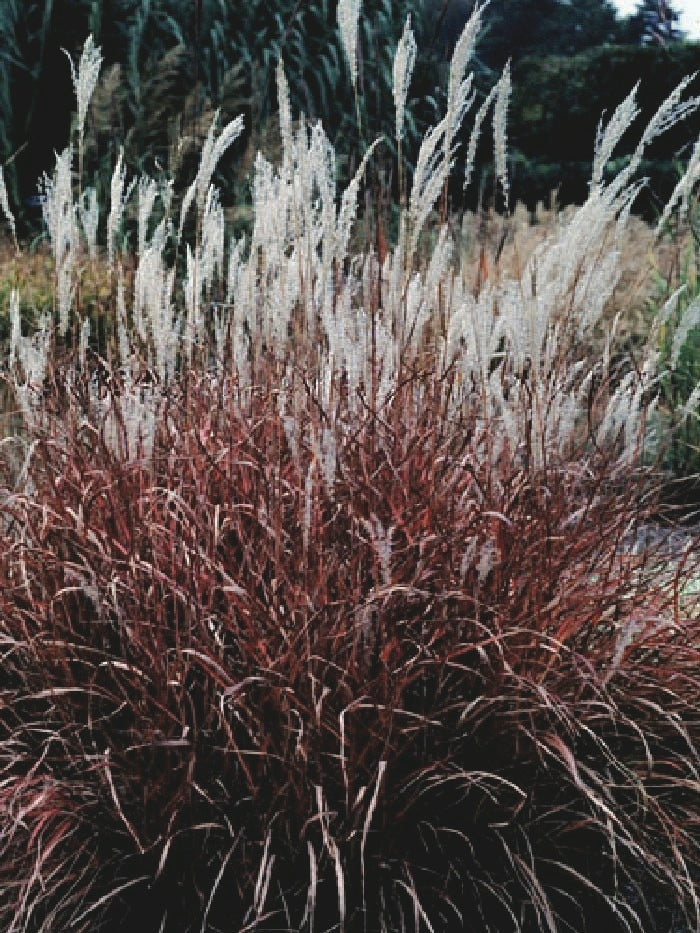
(322, 603)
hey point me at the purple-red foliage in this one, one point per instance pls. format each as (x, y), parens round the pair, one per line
(439, 695)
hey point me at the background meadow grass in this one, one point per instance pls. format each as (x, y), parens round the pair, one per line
(325, 598)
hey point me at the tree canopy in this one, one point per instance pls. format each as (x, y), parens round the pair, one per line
(518, 29)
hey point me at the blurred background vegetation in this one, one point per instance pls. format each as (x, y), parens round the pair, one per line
(168, 64)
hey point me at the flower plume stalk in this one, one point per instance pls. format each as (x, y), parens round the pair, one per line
(5, 206)
(670, 112)
(475, 134)
(118, 198)
(404, 62)
(459, 97)
(60, 218)
(609, 136)
(212, 151)
(683, 190)
(285, 109)
(84, 83)
(89, 213)
(500, 124)
(348, 13)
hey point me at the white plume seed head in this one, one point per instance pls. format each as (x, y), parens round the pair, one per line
(147, 194)
(213, 149)
(348, 21)
(475, 134)
(89, 212)
(285, 110)
(118, 199)
(60, 218)
(15, 326)
(404, 62)
(500, 122)
(463, 51)
(85, 78)
(683, 190)
(5, 207)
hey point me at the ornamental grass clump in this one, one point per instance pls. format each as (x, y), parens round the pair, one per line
(411, 688)
(324, 602)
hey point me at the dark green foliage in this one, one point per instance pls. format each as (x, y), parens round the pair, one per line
(169, 63)
(516, 29)
(557, 105)
(36, 98)
(655, 22)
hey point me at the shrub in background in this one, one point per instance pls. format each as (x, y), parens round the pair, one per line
(322, 598)
(557, 105)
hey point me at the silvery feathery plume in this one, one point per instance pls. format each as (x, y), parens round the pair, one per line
(607, 137)
(428, 179)
(211, 250)
(59, 216)
(458, 89)
(57, 205)
(118, 198)
(189, 287)
(235, 266)
(323, 164)
(147, 194)
(213, 149)
(31, 354)
(89, 213)
(670, 112)
(85, 80)
(15, 326)
(348, 19)
(475, 134)
(123, 344)
(404, 60)
(689, 321)
(285, 110)
(692, 404)
(5, 205)
(683, 190)
(84, 341)
(500, 120)
(348, 204)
